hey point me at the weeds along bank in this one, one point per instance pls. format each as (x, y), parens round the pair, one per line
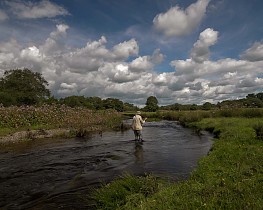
(229, 177)
(76, 120)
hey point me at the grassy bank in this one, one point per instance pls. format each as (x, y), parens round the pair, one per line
(78, 120)
(229, 177)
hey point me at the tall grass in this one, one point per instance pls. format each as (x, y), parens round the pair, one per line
(56, 116)
(185, 117)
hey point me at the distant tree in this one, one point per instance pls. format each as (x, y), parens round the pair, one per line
(151, 104)
(96, 102)
(49, 100)
(207, 106)
(74, 101)
(252, 95)
(253, 103)
(260, 96)
(176, 106)
(113, 103)
(193, 107)
(25, 86)
(129, 107)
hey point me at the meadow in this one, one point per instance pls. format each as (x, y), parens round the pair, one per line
(229, 177)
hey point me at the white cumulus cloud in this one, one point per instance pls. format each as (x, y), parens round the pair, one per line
(126, 49)
(255, 53)
(120, 71)
(200, 51)
(179, 22)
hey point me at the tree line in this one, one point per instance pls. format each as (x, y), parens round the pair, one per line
(24, 87)
(251, 101)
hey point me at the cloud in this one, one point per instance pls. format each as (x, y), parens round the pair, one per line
(91, 70)
(117, 72)
(200, 51)
(179, 22)
(9, 53)
(31, 54)
(141, 64)
(95, 69)
(198, 79)
(55, 44)
(33, 10)
(126, 49)
(255, 53)
(157, 57)
(3, 16)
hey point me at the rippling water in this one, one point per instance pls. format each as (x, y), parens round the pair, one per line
(58, 173)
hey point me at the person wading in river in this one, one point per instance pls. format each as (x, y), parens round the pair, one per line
(137, 123)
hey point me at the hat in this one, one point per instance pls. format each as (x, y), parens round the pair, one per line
(138, 112)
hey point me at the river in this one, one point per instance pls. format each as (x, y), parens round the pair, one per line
(59, 173)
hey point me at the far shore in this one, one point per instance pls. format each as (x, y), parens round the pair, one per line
(33, 134)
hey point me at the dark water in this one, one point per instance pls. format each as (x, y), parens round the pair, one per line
(58, 174)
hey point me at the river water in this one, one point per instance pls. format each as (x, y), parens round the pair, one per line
(59, 173)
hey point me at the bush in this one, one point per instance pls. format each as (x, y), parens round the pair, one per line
(259, 130)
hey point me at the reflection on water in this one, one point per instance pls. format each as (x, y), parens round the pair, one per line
(59, 173)
(138, 153)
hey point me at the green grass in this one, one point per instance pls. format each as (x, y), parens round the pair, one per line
(229, 177)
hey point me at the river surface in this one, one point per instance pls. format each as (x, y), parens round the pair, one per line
(59, 173)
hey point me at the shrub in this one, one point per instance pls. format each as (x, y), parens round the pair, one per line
(259, 130)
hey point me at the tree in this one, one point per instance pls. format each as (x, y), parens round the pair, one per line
(6, 99)
(113, 103)
(129, 107)
(74, 101)
(25, 86)
(260, 96)
(151, 104)
(207, 106)
(96, 102)
(253, 103)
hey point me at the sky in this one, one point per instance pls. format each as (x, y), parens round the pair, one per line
(180, 51)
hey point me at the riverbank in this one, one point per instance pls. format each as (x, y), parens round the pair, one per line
(47, 121)
(229, 177)
(33, 134)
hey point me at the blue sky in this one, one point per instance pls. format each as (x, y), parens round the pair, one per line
(181, 51)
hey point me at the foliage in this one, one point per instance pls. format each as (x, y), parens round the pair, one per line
(129, 107)
(25, 86)
(151, 104)
(6, 99)
(113, 103)
(259, 130)
(76, 101)
(207, 106)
